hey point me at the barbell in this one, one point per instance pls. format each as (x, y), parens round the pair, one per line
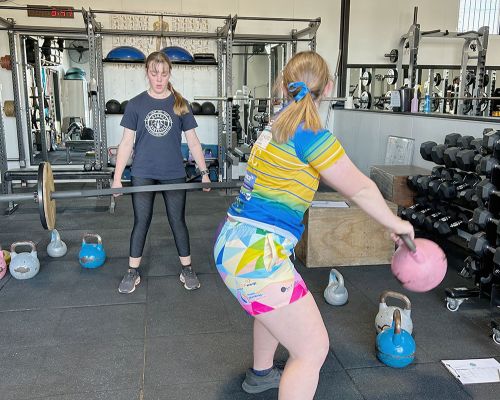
(46, 196)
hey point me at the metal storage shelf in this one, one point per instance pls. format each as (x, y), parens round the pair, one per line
(206, 63)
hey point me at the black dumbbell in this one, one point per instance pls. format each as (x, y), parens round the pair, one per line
(452, 139)
(431, 218)
(487, 164)
(485, 189)
(468, 159)
(481, 216)
(425, 150)
(407, 212)
(451, 153)
(491, 139)
(480, 246)
(450, 189)
(418, 217)
(467, 196)
(449, 224)
(411, 181)
(437, 152)
(434, 185)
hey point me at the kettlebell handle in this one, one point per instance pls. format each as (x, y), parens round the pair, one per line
(26, 243)
(396, 295)
(338, 275)
(93, 235)
(55, 235)
(396, 317)
(408, 242)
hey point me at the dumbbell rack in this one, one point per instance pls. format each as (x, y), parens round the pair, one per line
(471, 201)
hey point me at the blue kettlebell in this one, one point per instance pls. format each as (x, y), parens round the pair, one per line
(92, 255)
(395, 346)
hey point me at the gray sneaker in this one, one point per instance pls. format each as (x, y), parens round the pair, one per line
(257, 384)
(189, 279)
(129, 281)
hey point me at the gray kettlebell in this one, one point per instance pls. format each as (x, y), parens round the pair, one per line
(24, 265)
(336, 293)
(56, 247)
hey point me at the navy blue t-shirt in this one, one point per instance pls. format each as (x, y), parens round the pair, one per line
(158, 135)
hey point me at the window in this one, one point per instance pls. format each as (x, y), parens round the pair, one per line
(477, 13)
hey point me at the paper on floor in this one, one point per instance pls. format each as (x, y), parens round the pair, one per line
(478, 370)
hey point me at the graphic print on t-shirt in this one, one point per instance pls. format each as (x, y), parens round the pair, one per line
(158, 122)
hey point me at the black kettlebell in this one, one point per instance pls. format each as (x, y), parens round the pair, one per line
(196, 107)
(112, 106)
(208, 108)
(123, 106)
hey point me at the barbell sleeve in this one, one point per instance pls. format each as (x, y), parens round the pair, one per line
(17, 197)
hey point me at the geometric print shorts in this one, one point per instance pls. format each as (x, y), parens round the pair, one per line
(256, 267)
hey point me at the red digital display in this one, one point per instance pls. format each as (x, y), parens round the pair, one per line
(51, 12)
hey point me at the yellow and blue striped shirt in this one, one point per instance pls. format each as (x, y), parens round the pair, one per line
(281, 180)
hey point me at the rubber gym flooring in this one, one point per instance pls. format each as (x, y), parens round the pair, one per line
(69, 334)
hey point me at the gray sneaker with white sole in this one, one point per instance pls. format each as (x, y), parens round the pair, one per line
(189, 279)
(129, 281)
(256, 384)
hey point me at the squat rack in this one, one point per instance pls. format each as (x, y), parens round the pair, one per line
(474, 40)
(94, 33)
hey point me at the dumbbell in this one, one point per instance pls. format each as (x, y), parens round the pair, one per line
(481, 216)
(485, 189)
(437, 152)
(431, 218)
(407, 212)
(449, 224)
(491, 139)
(450, 189)
(434, 185)
(426, 148)
(418, 217)
(487, 164)
(467, 195)
(450, 154)
(467, 158)
(480, 246)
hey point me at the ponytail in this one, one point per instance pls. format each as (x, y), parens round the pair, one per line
(180, 105)
(302, 111)
(304, 79)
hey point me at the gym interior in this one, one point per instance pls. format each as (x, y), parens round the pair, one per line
(413, 103)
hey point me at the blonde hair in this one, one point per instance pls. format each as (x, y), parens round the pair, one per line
(158, 57)
(308, 67)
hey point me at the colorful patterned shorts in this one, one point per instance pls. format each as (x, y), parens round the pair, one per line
(256, 267)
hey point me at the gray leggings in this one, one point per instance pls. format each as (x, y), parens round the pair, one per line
(175, 204)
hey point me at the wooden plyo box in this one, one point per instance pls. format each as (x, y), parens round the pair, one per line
(391, 181)
(343, 236)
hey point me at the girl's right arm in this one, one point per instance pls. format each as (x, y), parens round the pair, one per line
(124, 151)
(347, 179)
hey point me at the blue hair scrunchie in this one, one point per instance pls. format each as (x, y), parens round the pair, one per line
(293, 86)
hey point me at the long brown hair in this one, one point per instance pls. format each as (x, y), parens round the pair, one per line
(308, 67)
(158, 57)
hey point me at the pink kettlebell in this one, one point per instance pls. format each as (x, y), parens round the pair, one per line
(3, 264)
(419, 265)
